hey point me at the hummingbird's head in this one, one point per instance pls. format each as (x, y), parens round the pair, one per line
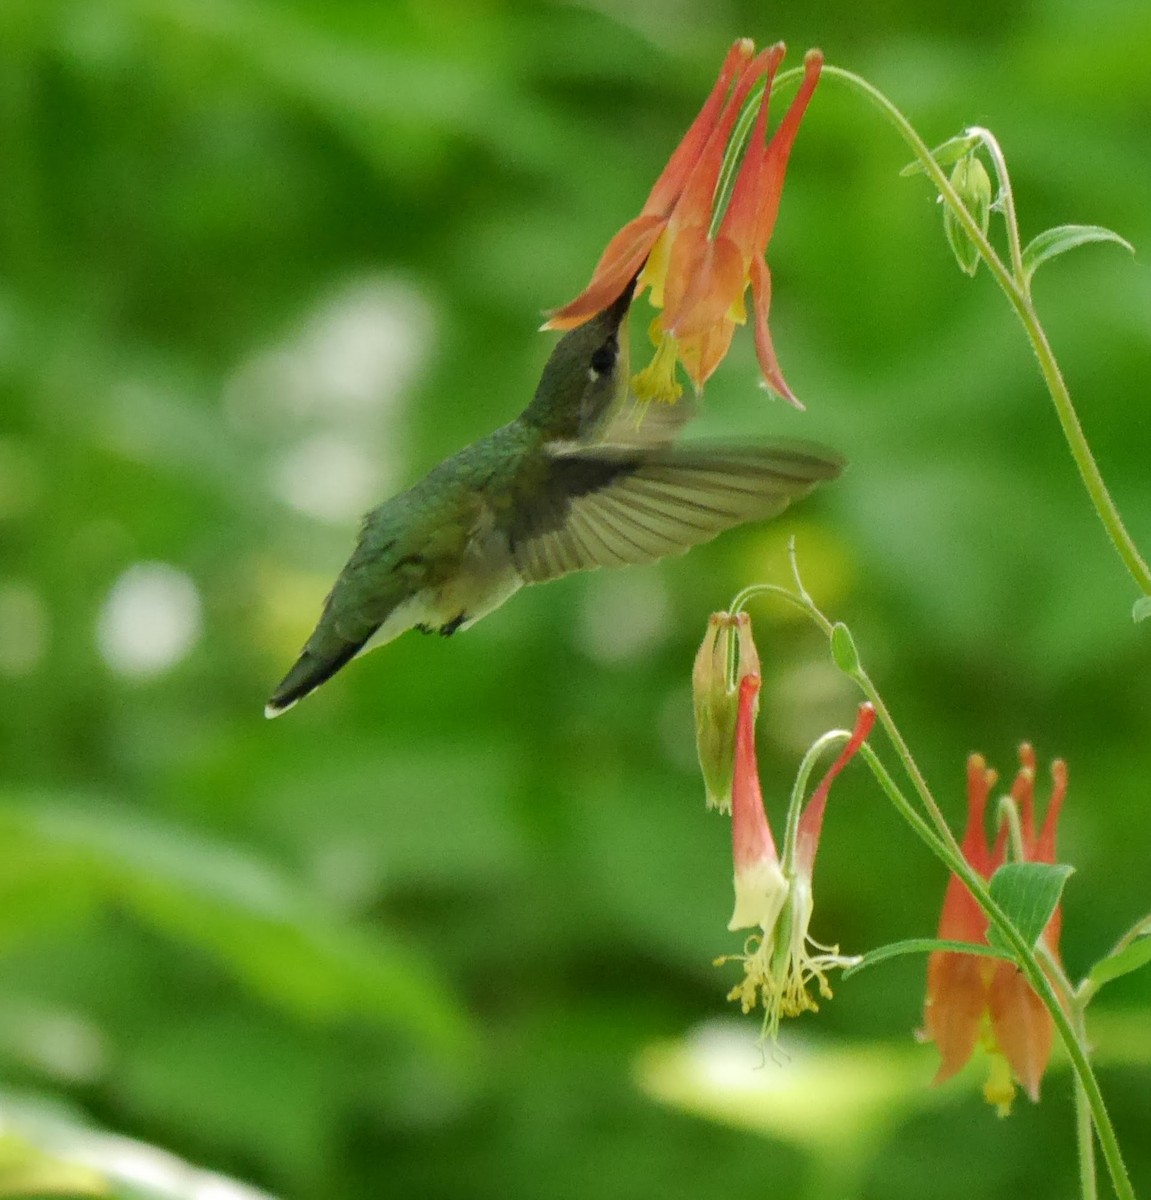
(585, 375)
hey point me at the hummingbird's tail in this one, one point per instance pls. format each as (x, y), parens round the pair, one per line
(309, 671)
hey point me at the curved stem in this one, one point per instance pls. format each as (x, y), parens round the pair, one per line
(1084, 1132)
(1029, 959)
(1015, 286)
(1006, 200)
(1065, 1012)
(1070, 1027)
(799, 788)
(1077, 443)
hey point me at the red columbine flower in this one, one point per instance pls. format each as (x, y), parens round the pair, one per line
(775, 896)
(974, 1000)
(699, 279)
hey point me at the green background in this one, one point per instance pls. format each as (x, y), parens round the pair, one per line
(263, 263)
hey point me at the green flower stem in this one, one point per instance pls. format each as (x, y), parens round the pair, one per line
(1090, 1107)
(1006, 202)
(799, 788)
(1084, 1129)
(1067, 1014)
(1015, 285)
(1075, 1002)
(1070, 1027)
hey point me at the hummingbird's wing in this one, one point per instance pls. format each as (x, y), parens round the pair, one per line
(610, 506)
(640, 423)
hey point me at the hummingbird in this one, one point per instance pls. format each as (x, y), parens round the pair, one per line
(582, 478)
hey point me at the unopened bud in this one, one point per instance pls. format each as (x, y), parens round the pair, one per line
(719, 666)
(973, 185)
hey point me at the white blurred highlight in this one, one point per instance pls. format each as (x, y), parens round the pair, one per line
(150, 620)
(328, 476)
(333, 392)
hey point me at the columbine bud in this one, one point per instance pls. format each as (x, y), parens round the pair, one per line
(719, 666)
(971, 181)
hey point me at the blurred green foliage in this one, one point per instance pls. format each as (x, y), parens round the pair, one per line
(261, 263)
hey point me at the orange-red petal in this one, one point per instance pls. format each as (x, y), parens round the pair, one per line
(750, 833)
(620, 261)
(712, 273)
(1044, 850)
(811, 819)
(764, 347)
(741, 219)
(779, 150)
(980, 781)
(669, 186)
(1022, 1027)
(628, 249)
(695, 203)
(704, 352)
(704, 277)
(956, 1001)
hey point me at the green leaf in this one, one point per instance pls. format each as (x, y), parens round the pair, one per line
(1053, 242)
(260, 923)
(922, 946)
(1135, 954)
(950, 151)
(1028, 894)
(1142, 609)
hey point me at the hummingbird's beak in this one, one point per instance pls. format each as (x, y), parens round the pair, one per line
(614, 315)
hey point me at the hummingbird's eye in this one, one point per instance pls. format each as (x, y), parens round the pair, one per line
(603, 360)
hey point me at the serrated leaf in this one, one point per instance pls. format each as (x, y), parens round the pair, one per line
(922, 946)
(1028, 893)
(1053, 242)
(1142, 609)
(948, 152)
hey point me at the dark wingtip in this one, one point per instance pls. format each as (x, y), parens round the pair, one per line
(306, 675)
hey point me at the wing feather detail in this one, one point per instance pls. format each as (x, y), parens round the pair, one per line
(617, 505)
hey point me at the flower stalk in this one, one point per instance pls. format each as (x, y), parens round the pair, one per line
(1015, 284)
(937, 836)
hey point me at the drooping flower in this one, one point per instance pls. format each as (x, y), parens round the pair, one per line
(699, 262)
(715, 697)
(773, 896)
(973, 1000)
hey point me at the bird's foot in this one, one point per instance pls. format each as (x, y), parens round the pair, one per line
(454, 624)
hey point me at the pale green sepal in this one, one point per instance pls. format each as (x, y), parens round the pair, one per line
(973, 185)
(949, 152)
